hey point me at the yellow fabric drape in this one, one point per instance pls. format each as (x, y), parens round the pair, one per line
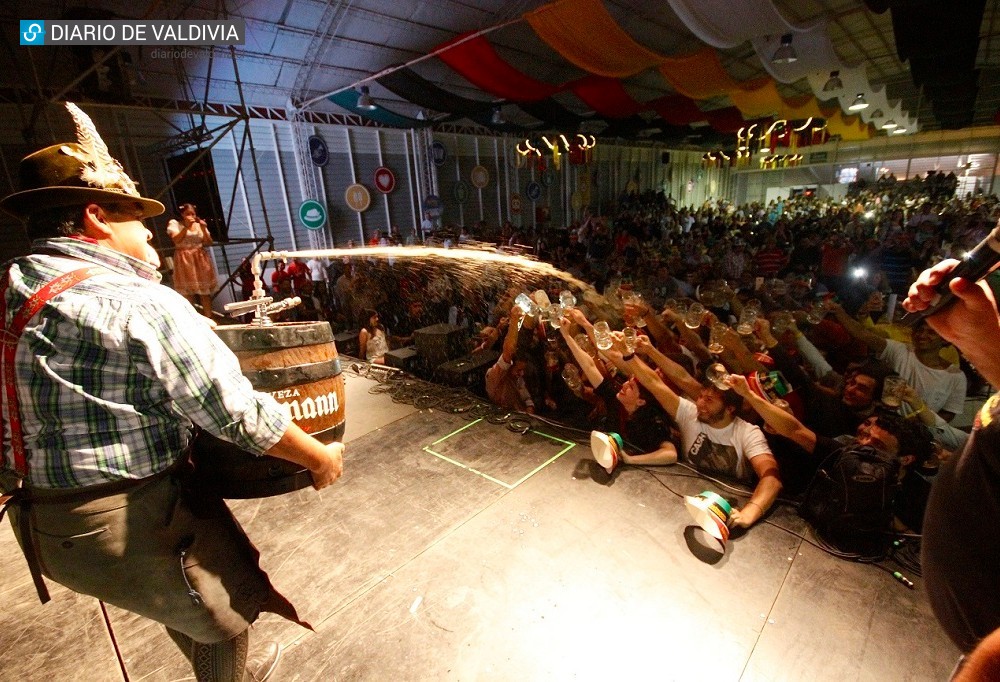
(802, 107)
(848, 127)
(698, 75)
(758, 97)
(585, 34)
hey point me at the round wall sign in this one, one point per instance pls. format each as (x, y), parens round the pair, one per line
(480, 177)
(438, 153)
(357, 197)
(534, 191)
(385, 180)
(312, 214)
(318, 151)
(461, 191)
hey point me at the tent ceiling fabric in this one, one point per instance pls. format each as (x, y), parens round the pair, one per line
(920, 62)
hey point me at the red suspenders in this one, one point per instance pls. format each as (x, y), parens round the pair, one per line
(9, 338)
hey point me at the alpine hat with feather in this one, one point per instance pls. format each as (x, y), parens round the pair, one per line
(75, 173)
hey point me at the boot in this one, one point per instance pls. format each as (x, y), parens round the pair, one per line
(262, 664)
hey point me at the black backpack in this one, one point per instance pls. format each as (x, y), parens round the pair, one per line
(849, 500)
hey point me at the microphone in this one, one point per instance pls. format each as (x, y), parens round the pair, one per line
(976, 265)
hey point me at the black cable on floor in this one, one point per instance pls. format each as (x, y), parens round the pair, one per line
(904, 558)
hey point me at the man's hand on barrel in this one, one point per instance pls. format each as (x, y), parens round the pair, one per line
(330, 468)
(325, 462)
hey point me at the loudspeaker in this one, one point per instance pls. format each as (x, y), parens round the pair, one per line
(665, 157)
(440, 343)
(347, 344)
(469, 371)
(402, 358)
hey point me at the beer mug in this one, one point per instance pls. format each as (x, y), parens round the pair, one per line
(555, 314)
(524, 302)
(629, 336)
(602, 335)
(571, 375)
(748, 317)
(891, 391)
(717, 374)
(639, 302)
(679, 307)
(718, 333)
(815, 314)
(695, 314)
(782, 323)
(541, 298)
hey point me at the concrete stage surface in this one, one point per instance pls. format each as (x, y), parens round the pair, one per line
(457, 549)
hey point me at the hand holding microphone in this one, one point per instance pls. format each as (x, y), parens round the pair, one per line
(965, 313)
(930, 294)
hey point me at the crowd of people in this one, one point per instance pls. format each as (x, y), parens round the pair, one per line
(756, 343)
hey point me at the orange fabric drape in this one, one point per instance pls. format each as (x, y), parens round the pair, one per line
(698, 75)
(585, 34)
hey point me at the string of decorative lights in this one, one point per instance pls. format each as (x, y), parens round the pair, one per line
(756, 141)
(580, 149)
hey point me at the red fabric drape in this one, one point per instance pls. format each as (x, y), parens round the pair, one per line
(477, 62)
(606, 96)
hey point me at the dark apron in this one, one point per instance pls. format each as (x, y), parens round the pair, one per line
(161, 547)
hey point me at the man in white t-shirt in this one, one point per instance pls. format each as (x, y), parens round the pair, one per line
(716, 441)
(940, 384)
(319, 277)
(428, 225)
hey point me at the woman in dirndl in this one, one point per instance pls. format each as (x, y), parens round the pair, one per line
(194, 271)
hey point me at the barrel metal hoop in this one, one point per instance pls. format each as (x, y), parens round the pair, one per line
(281, 377)
(250, 338)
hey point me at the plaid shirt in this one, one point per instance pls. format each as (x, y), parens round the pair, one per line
(112, 373)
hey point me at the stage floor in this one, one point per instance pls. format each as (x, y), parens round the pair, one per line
(456, 549)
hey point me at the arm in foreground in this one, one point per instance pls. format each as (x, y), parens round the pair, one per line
(971, 322)
(764, 494)
(324, 462)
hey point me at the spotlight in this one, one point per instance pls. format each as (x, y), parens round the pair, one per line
(899, 131)
(497, 118)
(859, 103)
(890, 124)
(878, 113)
(365, 100)
(786, 53)
(833, 83)
(859, 273)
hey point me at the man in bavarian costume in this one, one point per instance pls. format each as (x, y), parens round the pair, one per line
(105, 373)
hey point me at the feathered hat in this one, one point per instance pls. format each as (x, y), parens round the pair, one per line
(75, 173)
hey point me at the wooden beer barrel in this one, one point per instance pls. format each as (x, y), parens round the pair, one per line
(297, 363)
